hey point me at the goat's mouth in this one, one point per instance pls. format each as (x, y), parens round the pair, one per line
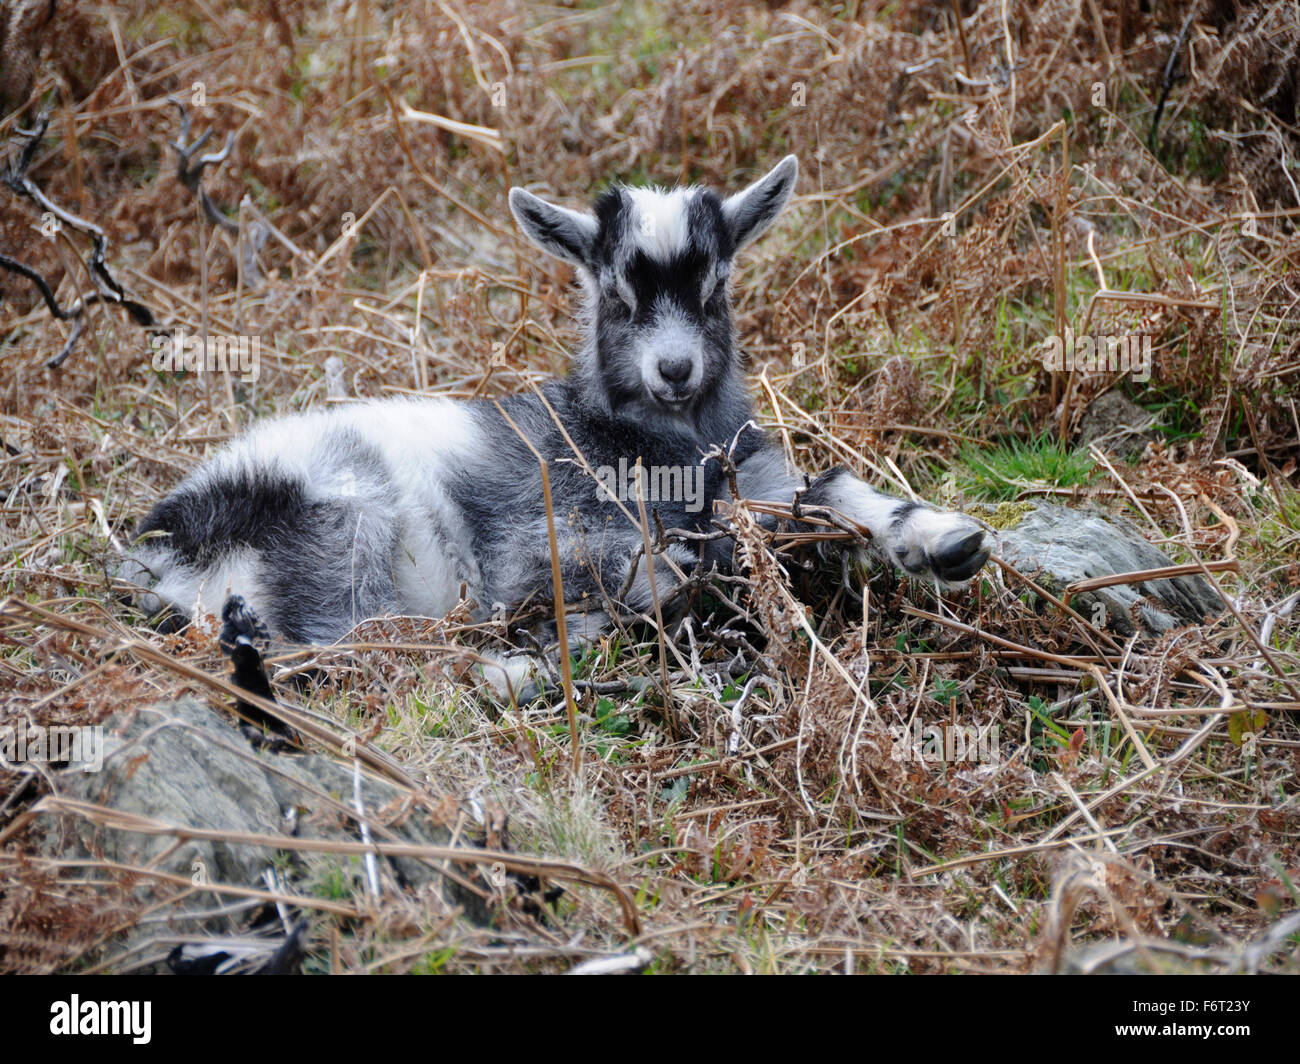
(671, 397)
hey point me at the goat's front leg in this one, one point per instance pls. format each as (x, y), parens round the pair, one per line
(949, 547)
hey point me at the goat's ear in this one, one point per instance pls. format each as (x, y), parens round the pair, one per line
(569, 235)
(751, 212)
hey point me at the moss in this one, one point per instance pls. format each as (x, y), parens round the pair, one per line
(1004, 515)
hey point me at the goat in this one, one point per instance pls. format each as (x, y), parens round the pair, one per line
(323, 519)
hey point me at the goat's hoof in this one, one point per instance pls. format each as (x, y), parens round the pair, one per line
(960, 555)
(516, 676)
(241, 625)
(949, 547)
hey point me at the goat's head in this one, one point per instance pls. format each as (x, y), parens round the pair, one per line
(656, 265)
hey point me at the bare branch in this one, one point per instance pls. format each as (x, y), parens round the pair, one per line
(109, 291)
(189, 171)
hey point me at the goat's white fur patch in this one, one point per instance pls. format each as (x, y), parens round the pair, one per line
(659, 220)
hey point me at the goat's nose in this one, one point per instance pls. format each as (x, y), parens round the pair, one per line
(675, 369)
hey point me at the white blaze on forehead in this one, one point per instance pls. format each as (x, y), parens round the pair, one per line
(659, 220)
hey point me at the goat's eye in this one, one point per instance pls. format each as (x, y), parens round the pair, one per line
(713, 276)
(615, 288)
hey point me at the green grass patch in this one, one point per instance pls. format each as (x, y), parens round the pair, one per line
(1003, 472)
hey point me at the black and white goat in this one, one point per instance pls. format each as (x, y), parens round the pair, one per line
(321, 520)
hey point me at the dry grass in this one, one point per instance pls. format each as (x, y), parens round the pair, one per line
(956, 209)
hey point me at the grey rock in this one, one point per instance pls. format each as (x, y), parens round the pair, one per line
(1057, 546)
(1117, 425)
(180, 763)
(1145, 957)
